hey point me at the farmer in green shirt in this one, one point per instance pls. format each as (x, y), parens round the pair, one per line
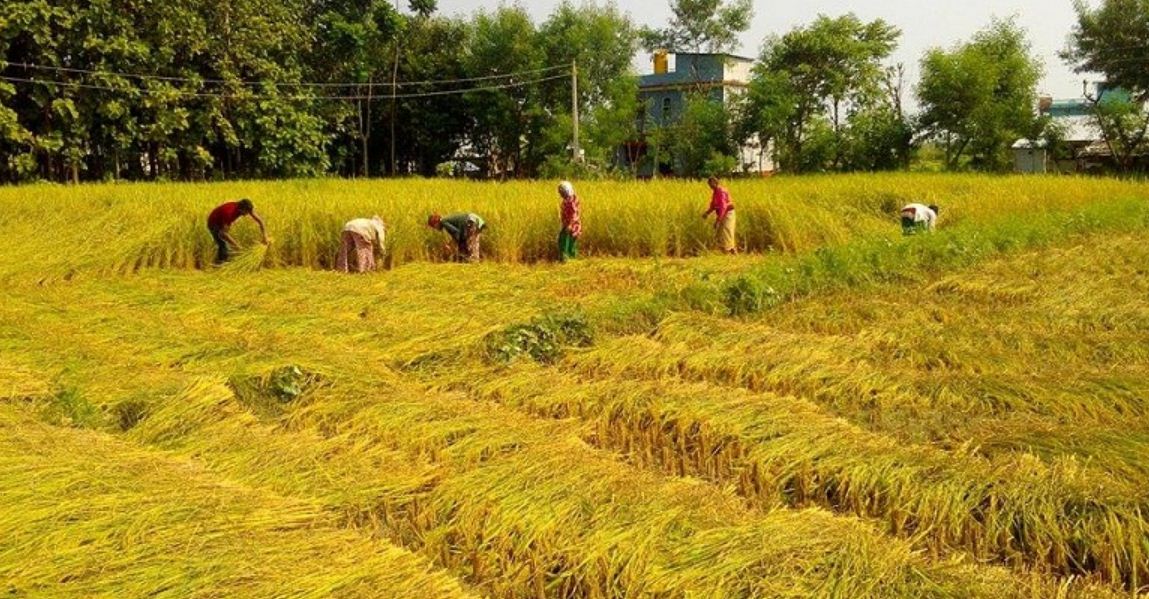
(465, 229)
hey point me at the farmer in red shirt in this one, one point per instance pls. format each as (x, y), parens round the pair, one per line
(219, 223)
(723, 210)
(571, 222)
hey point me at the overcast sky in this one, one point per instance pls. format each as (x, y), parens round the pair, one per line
(924, 24)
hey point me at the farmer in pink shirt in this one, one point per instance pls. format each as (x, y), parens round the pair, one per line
(723, 211)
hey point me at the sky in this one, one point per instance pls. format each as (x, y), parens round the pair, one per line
(924, 23)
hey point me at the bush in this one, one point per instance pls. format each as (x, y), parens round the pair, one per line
(542, 339)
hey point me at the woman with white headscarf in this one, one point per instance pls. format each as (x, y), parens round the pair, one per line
(571, 222)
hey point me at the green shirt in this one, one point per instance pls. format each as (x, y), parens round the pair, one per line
(456, 224)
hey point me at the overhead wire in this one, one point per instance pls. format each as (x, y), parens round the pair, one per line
(302, 84)
(265, 96)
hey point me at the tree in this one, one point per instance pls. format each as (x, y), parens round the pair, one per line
(602, 41)
(701, 25)
(176, 89)
(505, 122)
(1113, 39)
(810, 82)
(431, 129)
(353, 43)
(977, 99)
(1124, 125)
(423, 8)
(701, 142)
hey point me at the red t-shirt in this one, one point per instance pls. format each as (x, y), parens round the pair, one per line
(224, 215)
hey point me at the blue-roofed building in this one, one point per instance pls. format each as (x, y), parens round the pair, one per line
(664, 93)
(1084, 146)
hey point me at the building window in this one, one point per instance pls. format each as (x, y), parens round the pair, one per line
(665, 110)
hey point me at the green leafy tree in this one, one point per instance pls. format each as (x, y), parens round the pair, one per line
(811, 81)
(431, 129)
(1124, 125)
(602, 41)
(506, 122)
(423, 8)
(1113, 39)
(702, 138)
(977, 99)
(355, 45)
(193, 109)
(702, 26)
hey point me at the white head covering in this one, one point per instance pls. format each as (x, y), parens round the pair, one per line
(566, 190)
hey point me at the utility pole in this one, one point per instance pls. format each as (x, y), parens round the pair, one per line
(574, 111)
(394, 92)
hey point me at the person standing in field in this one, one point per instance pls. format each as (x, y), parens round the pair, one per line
(219, 224)
(571, 216)
(361, 237)
(466, 230)
(723, 211)
(918, 218)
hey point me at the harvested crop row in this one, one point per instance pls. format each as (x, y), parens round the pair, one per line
(363, 485)
(528, 505)
(516, 505)
(86, 515)
(923, 384)
(786, 451)
(940, 360)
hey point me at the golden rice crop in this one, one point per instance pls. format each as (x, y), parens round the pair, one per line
(946, 434)
(129, 227)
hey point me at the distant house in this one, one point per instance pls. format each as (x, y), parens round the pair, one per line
(1083, 145)
(664, 93)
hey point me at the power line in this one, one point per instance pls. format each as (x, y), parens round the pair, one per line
(193, 94)
(306, 84)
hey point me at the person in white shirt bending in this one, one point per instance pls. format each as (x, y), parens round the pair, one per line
(917, 218)
(361, 237)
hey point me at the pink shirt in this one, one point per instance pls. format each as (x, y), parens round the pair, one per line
(720, 203)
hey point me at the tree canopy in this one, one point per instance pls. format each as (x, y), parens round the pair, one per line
(978, 98)
(812, 83)
(702, 26)
(199, 89)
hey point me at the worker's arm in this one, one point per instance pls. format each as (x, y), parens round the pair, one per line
(262, 228)
(226, 236)
(450, 229)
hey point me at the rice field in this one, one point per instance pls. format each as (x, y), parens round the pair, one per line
(837, 412)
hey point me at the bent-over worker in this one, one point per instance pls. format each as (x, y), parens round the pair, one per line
(362, 236)
(918, 218)
(466, 230)
(219, 224)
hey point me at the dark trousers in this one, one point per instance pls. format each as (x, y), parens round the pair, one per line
(222, 252)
